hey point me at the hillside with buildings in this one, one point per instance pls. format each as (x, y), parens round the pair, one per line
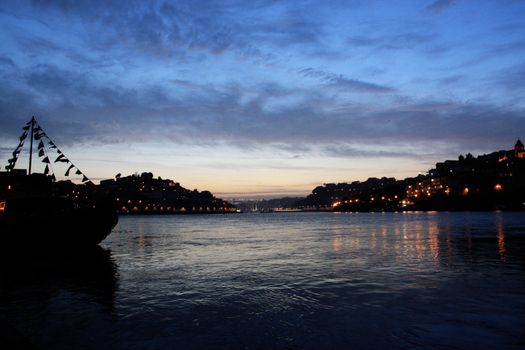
(486, 182)
(145, 194)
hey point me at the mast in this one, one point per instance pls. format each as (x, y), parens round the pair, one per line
(31, 144)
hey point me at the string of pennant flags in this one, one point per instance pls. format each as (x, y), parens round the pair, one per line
(38, 134)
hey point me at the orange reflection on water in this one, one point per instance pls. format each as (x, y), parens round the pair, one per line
(337, 243)
(501, 236)
(433, 240)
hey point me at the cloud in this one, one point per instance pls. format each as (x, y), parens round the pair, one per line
(183, 30)
(451, 79)
(349, 151)
(342, 82)
(6, 61)
(511, 79)
(404, 40)
(76, 110)
(439, 6)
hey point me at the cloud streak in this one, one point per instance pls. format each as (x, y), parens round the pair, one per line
(342, 82)
(439, 6)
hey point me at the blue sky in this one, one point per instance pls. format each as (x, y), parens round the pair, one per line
(264, 97)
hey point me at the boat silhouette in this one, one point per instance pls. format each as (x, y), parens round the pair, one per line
(37, 211)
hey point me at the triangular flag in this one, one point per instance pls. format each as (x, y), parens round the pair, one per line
(59, 151)
(78, 172)
(53, 177)
(41, 144)
(38, 136)
(84, 179)
(46, 171)
(26, 127)
(67, 172)
(41, 153)
(46, 160)
(23, 137)
(59, 158)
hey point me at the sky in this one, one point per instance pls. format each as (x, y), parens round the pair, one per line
(263, 98)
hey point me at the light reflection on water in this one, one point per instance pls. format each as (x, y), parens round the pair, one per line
(291, 281)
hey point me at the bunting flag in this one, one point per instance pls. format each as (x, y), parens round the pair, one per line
(59, 158)
(69, 169)
(37, 133)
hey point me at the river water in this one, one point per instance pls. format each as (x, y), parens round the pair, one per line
(280, 281)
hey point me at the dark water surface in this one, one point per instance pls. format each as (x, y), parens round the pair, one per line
(279, 281)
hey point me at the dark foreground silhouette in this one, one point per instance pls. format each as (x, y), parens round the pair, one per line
(36, 277)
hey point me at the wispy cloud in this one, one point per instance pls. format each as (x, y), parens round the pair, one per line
(183, 30)
(439, 5)
(6, 61)
(398, 41)
(340, 81)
